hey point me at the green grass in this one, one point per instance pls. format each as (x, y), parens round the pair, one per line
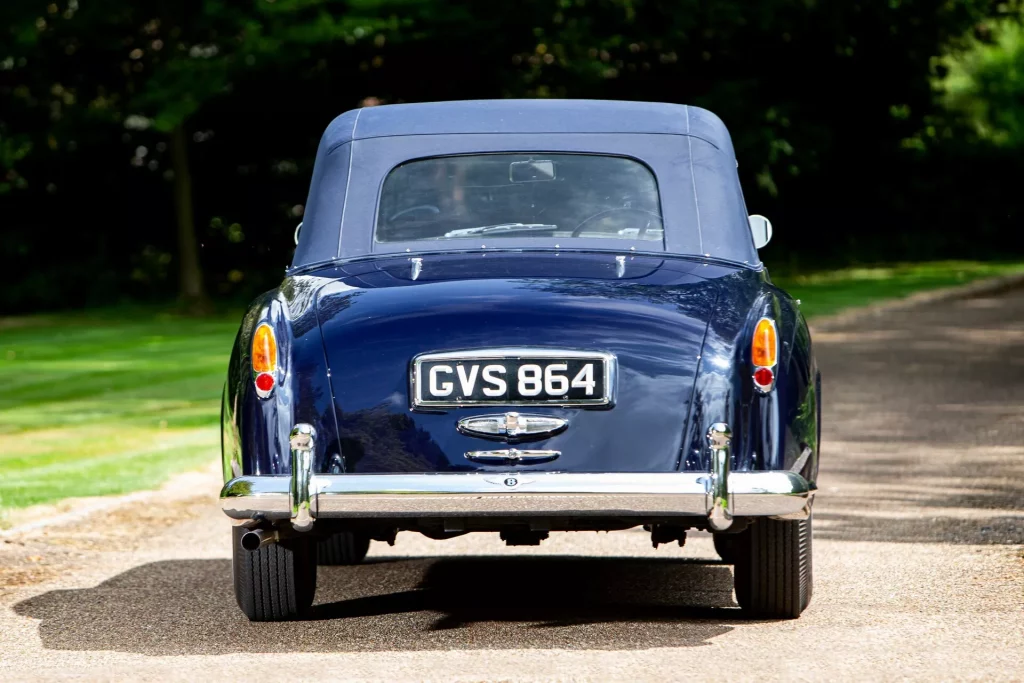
(107, 403)
(827, 292)
(116, 401)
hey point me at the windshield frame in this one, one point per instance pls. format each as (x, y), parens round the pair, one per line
(498, 242)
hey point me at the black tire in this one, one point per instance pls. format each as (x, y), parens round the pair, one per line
(344, 547)
(773, 576)
(276, 582)
(727, 546)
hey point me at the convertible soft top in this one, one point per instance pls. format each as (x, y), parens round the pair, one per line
(688, 149)
(528, 116)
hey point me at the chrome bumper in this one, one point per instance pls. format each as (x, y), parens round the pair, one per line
(521, 494)
(718, 496)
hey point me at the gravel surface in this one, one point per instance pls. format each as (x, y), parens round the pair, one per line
(919, 560)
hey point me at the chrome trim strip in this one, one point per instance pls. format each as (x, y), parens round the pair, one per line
(512, 456)
(300, 489)
(514, 353)
(521, 494)
(720, 507)
(805, 455)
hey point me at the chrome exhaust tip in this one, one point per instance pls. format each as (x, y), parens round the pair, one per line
(254, 539)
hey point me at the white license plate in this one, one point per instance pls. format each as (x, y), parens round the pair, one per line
(513, 377)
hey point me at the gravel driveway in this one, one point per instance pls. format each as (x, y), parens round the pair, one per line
(919, 526)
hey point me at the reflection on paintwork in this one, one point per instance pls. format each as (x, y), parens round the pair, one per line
(380, 439)
(654, 325)
(680, 329)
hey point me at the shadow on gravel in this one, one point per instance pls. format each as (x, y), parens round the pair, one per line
(187, 607)
(923, 421)
(928, 527)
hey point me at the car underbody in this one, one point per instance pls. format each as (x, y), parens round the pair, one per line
(293, 522)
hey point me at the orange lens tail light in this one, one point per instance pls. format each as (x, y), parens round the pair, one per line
(264, 350)
(765, 349)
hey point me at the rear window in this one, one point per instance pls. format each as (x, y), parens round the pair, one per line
(520, 195)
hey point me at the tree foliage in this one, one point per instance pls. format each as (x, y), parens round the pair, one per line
(821, 98)
(984, 82)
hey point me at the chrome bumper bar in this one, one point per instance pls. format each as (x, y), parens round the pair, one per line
(718, 496)
(523, 494)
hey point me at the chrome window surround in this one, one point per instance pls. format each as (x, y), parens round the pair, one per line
(610, 374)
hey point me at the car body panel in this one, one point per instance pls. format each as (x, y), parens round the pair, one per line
(254, 434)
(653, 322)
(351, 314)
(771, 431)
(375, 319)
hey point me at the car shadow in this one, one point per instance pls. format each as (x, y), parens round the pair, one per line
(181, 607)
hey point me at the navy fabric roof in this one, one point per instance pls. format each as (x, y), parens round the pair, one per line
(687, 148)
(528, 116)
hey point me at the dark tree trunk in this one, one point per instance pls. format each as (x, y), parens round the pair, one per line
(191, 292)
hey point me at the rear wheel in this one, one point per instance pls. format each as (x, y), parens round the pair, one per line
(773, 575)
(276, 582)
(344, 547)
(728, 546)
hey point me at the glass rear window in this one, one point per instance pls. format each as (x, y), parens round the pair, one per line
(520, 195)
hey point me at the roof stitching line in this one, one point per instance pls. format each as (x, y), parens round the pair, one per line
(348, 181)
(693, 179)
(332, 148)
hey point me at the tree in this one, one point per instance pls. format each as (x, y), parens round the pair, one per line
(104, 107)
(984, 83)
(155, 66)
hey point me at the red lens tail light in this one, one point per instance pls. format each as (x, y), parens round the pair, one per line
(264, 382)
(764, 377)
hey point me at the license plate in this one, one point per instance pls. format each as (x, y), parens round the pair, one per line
(513, 377)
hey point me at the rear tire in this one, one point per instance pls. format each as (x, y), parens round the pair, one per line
(276, 582)
(773, 576)
(342, 548)
(728, 546)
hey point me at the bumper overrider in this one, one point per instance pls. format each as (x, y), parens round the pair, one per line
(718, 496)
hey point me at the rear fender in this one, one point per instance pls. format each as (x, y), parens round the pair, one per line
(255, 431)
(773, 431)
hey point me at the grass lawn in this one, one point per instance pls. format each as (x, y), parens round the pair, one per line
(117, 401)
(107, 403)
(828, 292)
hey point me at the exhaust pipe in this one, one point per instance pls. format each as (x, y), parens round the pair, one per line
(254, 539)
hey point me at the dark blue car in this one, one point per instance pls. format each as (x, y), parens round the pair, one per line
(522, 317)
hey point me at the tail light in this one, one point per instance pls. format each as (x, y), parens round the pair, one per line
(764, 354)
(264, 360)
